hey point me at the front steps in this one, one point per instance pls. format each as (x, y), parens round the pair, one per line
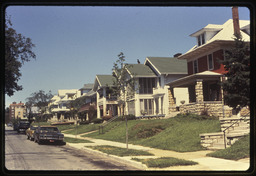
(217, 141)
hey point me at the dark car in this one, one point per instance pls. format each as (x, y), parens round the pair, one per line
(23, 126)
(50, 134)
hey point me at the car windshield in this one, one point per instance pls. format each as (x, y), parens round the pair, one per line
(25, 123)
(49, 129)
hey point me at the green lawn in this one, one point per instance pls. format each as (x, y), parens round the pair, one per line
(180, 133)
(240, 149)
(119, 151)
(83, 129)
(165, 162)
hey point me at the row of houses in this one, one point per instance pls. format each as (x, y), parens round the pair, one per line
(188, 82)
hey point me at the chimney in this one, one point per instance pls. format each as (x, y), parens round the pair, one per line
(235, 20)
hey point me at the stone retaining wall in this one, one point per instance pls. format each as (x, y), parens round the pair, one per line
(213, 108)
(245, 112)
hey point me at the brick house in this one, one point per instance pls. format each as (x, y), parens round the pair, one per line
(204, 70)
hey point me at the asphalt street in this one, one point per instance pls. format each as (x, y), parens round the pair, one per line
(23, 154)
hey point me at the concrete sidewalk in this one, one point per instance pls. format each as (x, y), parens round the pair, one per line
(205, 163)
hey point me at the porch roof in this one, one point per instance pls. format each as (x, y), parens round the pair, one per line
(188, 80)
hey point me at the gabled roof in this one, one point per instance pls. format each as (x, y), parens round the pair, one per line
(87, 86)
(103, 81)
(66, 91)
(209, 27)
(167, 65)
(140, 70)
(224, 36)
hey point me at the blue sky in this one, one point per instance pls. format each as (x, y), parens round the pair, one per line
(73, 44)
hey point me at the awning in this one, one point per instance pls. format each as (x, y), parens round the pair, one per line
(86, 107)
(188, 80)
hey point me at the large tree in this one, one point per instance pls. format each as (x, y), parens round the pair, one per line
(18, 50)
(237, 83)
(38, 99)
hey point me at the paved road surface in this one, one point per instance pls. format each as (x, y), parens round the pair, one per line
(23, 154)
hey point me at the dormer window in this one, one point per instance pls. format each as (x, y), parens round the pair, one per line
(201, 40)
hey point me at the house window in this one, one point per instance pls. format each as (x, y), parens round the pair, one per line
(146, 85)
(147, 106)
(195, 66)
(201, 40)
(210, 62)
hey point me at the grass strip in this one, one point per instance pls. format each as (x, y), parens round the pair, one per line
(76, 140)
(240, 149)
(83, 129)
(165, 162)
(120, 151)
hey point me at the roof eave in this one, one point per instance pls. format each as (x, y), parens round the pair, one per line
(203, 48)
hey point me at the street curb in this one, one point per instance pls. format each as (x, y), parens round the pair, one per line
(119, 159)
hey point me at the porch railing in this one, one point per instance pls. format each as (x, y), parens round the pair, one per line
(237, 121)
(108, 125)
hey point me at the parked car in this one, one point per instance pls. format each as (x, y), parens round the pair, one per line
(48, 134)
(30, 132)
(22, 126)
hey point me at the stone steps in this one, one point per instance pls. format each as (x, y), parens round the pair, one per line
(238, 130)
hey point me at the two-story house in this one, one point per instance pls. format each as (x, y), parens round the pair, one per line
(59, 103)
(145, 80)
(167, 69)
(106, 103)
(205, 72)
(89, 100)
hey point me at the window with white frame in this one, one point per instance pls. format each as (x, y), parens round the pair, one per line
(195, 66)
(147, 106)
(210, 62)
(201, 40)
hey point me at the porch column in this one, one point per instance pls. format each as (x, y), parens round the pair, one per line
(104, 102)
(160, 105)
(199, 91)
(199, 96)
(97, 104)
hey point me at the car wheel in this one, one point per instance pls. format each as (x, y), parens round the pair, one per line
(39, 142)
(31, 138)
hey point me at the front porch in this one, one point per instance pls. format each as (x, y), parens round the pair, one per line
(205, 95)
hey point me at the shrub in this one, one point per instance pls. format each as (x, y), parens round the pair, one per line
(130, 117)
(204, 112)
(84, 122)
(97, 121)
(106, 117)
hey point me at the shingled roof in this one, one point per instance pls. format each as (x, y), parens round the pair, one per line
(167, 65)
(140, 70)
